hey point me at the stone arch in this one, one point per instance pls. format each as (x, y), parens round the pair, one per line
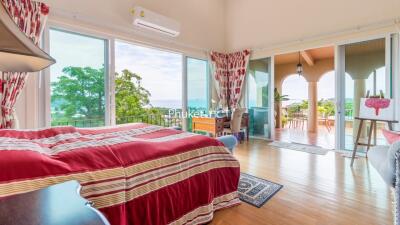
(311, 73)
(380, 81)
(360, 66)
(326, 80)
(300, 81)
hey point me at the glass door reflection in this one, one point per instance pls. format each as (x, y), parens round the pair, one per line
(258, 84)
(365, 74)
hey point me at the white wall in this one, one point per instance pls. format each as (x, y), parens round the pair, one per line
(202, 21)
(27, 103)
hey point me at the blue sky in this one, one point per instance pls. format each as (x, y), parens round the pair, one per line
(162, 74)
(161, 71)
(197, 82)
(65, 46)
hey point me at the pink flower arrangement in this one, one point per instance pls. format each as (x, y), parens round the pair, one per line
(377, 104)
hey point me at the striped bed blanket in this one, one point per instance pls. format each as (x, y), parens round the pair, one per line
(134, 174)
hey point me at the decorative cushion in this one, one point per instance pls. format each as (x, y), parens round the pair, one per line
(391, 136)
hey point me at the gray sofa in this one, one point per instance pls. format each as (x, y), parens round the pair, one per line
(386, 160)
(383, 159)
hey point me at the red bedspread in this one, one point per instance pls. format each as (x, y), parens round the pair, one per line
(135, 174)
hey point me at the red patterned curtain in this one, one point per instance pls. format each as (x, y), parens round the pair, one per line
(229, 72)
(219, 63)
(237, 68)
(30, 17)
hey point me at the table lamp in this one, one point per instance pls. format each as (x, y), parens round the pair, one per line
(17, 52)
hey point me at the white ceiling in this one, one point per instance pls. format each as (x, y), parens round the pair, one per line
(377, 45)
(315, 54)
(262, 23)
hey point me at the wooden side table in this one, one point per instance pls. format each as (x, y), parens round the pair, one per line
(372, 128)
(211, 125)
(59, 204)
(215, 125)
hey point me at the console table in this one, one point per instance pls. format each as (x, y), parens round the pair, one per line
(215, 125)
(59, 204)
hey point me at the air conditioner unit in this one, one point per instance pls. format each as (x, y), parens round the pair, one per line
(153, 21)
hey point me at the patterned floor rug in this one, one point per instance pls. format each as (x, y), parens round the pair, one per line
(256, 191)
(300, 147)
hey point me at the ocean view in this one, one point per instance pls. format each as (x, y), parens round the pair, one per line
(177, 104)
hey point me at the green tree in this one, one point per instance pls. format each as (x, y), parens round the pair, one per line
(133, 101)
(278, 97)
(130, 97)
(293, 108)
(79, 91)
(326, 107)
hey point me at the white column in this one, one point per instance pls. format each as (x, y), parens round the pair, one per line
(359, 92)
(312, 107)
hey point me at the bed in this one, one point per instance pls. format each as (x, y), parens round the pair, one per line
(134, 174)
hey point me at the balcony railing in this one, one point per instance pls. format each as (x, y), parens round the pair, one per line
(161, 120)
(349, 114)
(95, 122)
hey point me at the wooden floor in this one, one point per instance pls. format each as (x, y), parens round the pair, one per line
(322, 138)
(318, 190)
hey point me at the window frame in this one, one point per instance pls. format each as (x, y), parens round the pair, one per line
(340, 64)
(43, 83)
(271, 94)
(183, 74)
(186, 85)
(208, 79)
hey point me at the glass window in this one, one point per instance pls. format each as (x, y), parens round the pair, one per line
(148, 85)
(197, 78)
(77, 79)
(257, 96)
(365, 73)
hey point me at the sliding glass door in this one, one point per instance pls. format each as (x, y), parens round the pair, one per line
(197, 88)
(365, 70)
(259, 95)
(78, 79)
